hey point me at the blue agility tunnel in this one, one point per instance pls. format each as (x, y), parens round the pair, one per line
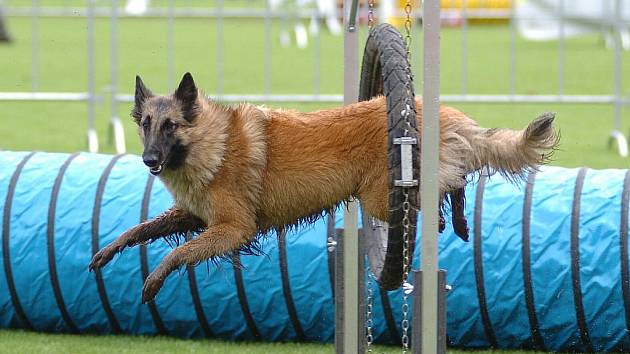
(547, 266)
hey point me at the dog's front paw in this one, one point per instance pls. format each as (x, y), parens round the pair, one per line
(152, 285)
(103, 257)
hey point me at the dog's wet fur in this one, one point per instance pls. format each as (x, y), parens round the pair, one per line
(237, 172)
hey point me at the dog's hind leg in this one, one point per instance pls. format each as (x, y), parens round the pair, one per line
(218, 240)
(458, 202)
(172, 221)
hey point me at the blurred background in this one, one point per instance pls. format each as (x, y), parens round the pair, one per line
(67, 67)
(67, 70)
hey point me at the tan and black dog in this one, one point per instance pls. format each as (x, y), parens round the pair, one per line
(237, 172)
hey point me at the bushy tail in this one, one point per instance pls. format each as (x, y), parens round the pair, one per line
(513, 153)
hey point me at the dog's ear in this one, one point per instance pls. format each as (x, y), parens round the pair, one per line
(187, 96)
(142, 93)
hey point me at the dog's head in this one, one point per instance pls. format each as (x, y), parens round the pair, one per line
(163, 121)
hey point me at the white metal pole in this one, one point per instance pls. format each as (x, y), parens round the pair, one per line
(268, 62)
(116, 130)
(170, 47)
(464, 57)
(35, 45)
(351, 254)
(317, 56)
(92, 137)
(429, 174)
(616, 34)
(512, 64)
(114, 59)
(561, 47)
(220, 48)
(616, 134)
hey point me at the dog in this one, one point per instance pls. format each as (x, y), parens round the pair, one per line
(237, 172)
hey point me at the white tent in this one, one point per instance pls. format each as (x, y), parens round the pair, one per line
(541, 19)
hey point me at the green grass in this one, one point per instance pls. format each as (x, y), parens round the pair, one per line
(53, 126)
(19, 342)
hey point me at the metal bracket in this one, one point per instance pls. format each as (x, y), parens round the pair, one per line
(331, 244)
(352, 19)
(405, 140)
(406, 162)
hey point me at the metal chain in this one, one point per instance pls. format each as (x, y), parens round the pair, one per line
(406, 206)
(406, 263)
(406, 223)
(369, 320)
(408, 23)
(370, 14)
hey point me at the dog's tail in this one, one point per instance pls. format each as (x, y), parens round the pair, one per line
(514, 152)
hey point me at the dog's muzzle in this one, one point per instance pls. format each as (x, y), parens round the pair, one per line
(156, 170)
(153, 163)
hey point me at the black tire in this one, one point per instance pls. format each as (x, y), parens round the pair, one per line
(386, 71)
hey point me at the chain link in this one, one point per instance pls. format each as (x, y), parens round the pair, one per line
(369, 320)
(370, 14)
(406, 263)
(406, 206)
(408, 23)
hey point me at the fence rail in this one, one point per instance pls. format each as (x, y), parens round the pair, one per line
(44, 96)
(614, 24)
(255, 13)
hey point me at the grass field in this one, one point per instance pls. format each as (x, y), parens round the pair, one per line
(53, 126)
(18, 342)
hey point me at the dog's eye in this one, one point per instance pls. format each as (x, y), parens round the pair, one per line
(146, 122)
(169, 125)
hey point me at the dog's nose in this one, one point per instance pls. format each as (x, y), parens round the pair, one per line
(151, 160)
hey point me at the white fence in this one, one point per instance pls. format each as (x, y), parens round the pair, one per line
(613, 24)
